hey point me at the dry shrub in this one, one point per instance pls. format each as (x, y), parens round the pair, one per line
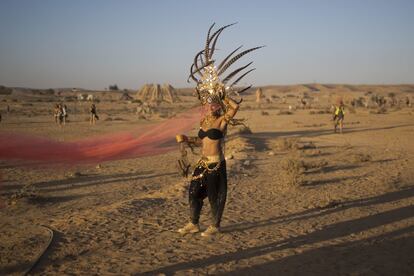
(264, 113)
(324, 111)
(313, 152)
(307, 145)
(293, 170)
(236, 144)
(28, 191)
(315, 164)
(285, 112)
(361, 157)
(381, 110)
(285, 144)
(244, 130)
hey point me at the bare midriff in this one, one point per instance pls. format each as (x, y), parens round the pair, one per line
(211, 147)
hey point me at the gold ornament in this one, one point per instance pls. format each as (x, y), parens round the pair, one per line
(210, 88)
(208, 121)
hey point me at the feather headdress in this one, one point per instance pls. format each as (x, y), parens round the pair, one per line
(211, 85)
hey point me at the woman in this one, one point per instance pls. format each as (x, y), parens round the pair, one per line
(339, 115)
(56, 113)
(93, 114)
(64, 113)
(60, 114)
(209, 178)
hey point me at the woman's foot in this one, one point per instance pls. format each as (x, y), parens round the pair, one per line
(211, 231)
(190, 228)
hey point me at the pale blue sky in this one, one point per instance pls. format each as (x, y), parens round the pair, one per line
(91, 44)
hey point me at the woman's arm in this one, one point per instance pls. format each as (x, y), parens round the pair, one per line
(232, 108)
(194, 141)
(190, 140)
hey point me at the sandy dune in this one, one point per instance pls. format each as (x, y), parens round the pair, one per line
(302, 200)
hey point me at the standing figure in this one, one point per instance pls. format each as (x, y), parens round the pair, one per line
(338, 116)
(56, 113)
(209, 178)
(60, 114)
(64, 113)
(93, 114)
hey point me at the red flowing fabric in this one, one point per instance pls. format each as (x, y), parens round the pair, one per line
(156, 139)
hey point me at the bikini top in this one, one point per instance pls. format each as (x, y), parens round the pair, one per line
(212, 133)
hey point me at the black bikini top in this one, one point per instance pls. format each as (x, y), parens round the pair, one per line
(212, 133)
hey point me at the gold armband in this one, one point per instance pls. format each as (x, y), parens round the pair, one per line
(227, 118)
(179, 138)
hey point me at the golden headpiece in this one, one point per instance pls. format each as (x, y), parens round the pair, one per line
(210, 88)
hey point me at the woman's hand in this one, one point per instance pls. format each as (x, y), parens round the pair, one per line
(181, 138)
(231, 103)
(232, 108)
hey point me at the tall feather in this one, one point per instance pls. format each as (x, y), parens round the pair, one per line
(208, 41)
(242, 76)
(234, 59)
(232, 74)
(196, 60)
(244, 89)
(213, 47)
(192, 75)
(207, 55)
(224, 60)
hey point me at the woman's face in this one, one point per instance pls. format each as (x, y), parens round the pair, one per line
(212, 108)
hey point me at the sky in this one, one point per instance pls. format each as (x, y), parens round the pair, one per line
(93, 44)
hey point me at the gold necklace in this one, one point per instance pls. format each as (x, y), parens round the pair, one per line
(209, 120)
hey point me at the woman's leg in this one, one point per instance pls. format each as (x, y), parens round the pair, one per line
(217, 193)
(222, 193)
(196, 194)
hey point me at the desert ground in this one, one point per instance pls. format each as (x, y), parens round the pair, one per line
(302, 200)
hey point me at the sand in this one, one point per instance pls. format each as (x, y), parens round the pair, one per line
(302, 200)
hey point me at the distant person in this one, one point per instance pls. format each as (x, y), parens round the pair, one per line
(354, 103)
(64, 114)
(338, 116)
(56, 113)
(93, 114)
(60, 114)
(303, 103)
